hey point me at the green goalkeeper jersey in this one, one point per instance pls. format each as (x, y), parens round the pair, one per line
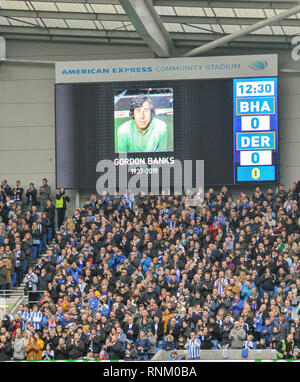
(131, 139)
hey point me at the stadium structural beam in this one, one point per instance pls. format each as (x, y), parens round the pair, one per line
(254, 4)
(241, 4)
(124, 18)
(63, 15)
(148, 25)
(126, 37)
(251, 28)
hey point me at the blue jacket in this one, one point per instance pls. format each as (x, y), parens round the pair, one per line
(116, 260)
(145, 344)
(257, 324)
(223, 220)
(246, 292)
(196, 230)
(146, 263)
(75, 273)
(238, 307)
(105, 310)
(167, 345)
(122, 338)
(2, 238)
(44, 321)
(59, 316)
(269, 330)
(105, 199)
(130, 200)
(93, 303)
(125, 205)
(64, 322)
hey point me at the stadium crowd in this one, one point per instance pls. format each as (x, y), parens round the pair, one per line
(125, 276)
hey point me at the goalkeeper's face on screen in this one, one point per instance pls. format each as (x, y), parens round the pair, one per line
(142, 115)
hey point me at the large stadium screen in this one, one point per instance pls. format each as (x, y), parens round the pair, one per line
(155, 115)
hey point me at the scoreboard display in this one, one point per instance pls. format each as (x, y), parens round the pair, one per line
(220, 111)
(255, 130)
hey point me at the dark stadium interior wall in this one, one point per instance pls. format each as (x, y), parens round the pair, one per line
(213, 137)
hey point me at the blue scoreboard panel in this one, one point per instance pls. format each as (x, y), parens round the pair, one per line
(255, 130)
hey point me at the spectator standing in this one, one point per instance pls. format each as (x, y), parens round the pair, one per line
(193, 346)
(142, 346)
(31, 195)
(32, 349)
(61, 352)
(50, 209)
(268, 283)
(18, 345)
(5, 348)
(36, 240)
(130, 352)
(27, 244)
(36, 317)
(114, 348)
(76, 347)
(45, 192)
(5, 190)
(3, 276)
(62, 200)
(17, 193)
(9, 266)
(31, 281)
(237, 336)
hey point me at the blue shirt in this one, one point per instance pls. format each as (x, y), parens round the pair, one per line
(93, 303)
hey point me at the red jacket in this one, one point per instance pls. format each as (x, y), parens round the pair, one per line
(214, 229)
(14, 326)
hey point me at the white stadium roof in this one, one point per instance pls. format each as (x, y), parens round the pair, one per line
(161, 24)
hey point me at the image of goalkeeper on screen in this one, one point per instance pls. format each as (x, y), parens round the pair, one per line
(143, 132)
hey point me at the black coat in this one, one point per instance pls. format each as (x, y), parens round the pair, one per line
(27, 247)
(62, 353)
(97, 344)
(3, 275)
(135, 331)
(4, 213)
(174, 331)
(85, 339)
(43, 282)
(160, 330)
(206, 342)
(51, 214)
(76, 352)
(6, 352)
(20, 260)
(32, 194)
(53, 341)
(115, 351)
(268, 284)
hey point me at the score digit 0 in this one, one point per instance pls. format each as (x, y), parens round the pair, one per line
(255, 123)
(255, 173)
